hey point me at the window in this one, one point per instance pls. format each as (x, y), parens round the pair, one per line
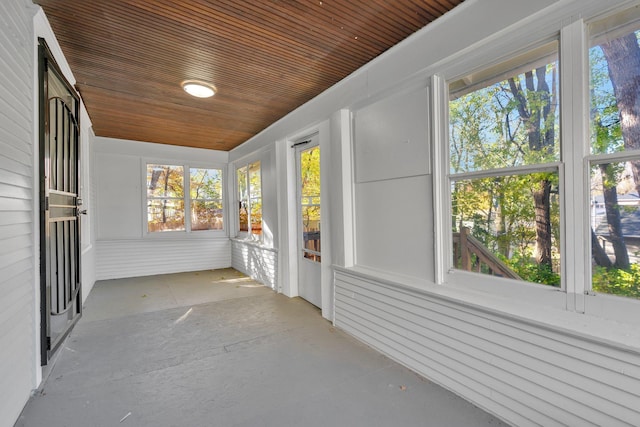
(615, 160)
(206, 199)
(249, 183)
(504, 154)
(167, 201)
(165, 198)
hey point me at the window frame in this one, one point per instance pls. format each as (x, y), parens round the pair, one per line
(187, 232)
(248, 234)
(446, 273)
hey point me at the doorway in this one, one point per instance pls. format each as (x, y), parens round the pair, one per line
(61, 299)
(308, 215)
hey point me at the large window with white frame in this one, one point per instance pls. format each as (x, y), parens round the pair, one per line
(504, 153)
(614, 161)
(183, 198)
(512, 179)
(249, 185)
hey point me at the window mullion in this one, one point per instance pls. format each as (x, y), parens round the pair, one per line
(441, 194)
(574, 138)
(248, 200)
(186, 176)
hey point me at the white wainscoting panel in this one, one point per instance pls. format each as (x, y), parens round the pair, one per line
(525, 374)
(117, 259)
(257, 261)
(17, 264)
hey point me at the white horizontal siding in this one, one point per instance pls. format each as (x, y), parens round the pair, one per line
(117, 259)
(17, 264)
(256, 261)
(525, 374)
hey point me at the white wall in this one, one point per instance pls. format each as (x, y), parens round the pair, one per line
(529, 361)
(393, 225)
(255, 260)
(17, 261)
(20, 24)
(124, 248)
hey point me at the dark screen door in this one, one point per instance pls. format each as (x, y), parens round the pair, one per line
(59, 225)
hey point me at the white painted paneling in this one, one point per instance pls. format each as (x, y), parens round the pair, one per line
(391, 137)
(17, 264)
(524, 374)
(257, 261)
(145, 257)
(160, 151)
(87, 221)
(269, 198)
(119, 196)
(394, 226)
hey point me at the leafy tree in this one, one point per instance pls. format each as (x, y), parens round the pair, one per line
(310, 188)
(615, 127)
(536, 107)
(508, 124)
(623, 62)
(166, 187)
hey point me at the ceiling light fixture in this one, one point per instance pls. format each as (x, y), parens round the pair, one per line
(199, 89)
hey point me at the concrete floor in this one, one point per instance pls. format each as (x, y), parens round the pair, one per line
(214, 348)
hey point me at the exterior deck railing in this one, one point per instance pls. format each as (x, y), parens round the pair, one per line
(472, 255)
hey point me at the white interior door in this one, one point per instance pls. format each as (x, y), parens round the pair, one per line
(309, 233)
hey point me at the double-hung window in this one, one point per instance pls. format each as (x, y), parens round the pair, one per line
(504, 153)
(172, 191)
(249, 184)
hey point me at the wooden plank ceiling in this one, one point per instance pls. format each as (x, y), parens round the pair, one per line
(266, 57)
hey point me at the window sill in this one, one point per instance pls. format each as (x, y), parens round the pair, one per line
(254, 243)
(613, 333)
(184, 235)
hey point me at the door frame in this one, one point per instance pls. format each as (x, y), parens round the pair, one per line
(46, 64)
(312, 268)
(288, 222)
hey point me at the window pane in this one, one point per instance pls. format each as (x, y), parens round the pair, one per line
(510, 123)
(614, 87)
(255, 210)
(311, 230)
(206, 215)
(310, 173)
(615, 229)
(310, 202)
(499, 226)
(206, 184)
(165, 215)
(255, 185)
(165, 181)
(243, 199)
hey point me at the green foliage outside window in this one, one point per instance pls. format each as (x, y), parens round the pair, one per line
(614, 187)
(506, 222)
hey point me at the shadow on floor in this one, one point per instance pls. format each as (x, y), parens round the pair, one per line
(214, 348)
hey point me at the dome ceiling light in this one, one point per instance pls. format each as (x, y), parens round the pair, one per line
(198, 88)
